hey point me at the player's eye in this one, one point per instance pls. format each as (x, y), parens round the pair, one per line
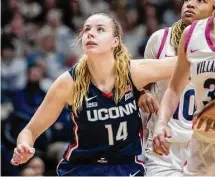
(86, 29)
(100, 29)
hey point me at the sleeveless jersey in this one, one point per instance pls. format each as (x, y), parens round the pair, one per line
(104, 132)
(200, 52)
(180, 125)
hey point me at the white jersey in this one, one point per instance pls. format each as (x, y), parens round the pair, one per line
(200, 52)
(180, 125)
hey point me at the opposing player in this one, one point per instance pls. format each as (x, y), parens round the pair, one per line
(196, 57)
(102, 91)
(162, 44)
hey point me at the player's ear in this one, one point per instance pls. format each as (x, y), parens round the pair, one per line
(115, 42)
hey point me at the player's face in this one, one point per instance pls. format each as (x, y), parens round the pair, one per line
(196, 10)
(98, 36)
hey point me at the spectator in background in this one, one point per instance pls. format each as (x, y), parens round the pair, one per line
(35, 167)
(64, 35)
(161, 7)
(7, 169)
(46, 5)
(72, 15)
(145, 10)
(31, 10)
(47, 56)
(13, 69)
(173, 13)
(31, 32)
(88, 7)
(25, 102)
(16, 31)
(11, 7)
(152, 25)
(119, 10)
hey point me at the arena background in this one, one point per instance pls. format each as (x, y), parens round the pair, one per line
(38, 43)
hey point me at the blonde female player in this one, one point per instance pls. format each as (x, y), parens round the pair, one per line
(162, 44)
(102, 91)
(197, 57)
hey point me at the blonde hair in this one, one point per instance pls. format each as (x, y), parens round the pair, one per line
(82, 74)
(177, 30)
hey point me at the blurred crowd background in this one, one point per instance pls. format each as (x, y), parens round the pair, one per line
(38, 43)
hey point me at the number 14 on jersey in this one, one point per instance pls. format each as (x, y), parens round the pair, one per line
(122, 132)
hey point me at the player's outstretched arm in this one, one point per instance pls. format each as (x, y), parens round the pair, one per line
(58, 95)
(145, 71)
(171, 98)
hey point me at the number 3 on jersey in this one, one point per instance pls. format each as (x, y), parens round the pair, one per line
(211, 94)
(188, 106)
(122, 132)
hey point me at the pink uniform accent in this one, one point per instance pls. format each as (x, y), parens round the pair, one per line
(207, 33)
(189, 34)
(163, 41)
(139, 161)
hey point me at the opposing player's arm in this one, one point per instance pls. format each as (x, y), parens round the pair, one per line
(58, 95)
(171, 99)
(177, 83)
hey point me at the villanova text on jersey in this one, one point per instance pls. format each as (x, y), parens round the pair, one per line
(206, 66)
(105, 130)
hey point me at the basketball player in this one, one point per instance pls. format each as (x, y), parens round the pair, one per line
(102, 91)
(162, 44)
(197, 57)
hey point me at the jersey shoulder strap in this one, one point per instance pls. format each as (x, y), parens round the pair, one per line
(72, 71)
(135, 90)
(189, 34)
(163, 41)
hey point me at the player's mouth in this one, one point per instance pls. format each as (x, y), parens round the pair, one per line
(90, 43)
(189, 13)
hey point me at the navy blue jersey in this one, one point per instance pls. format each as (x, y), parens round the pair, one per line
(103, 130)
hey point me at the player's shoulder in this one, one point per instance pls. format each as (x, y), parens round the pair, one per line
(156, 43)
(190, 28)
(159, 33)
(157, 37)
(64, 82)
(187, 33)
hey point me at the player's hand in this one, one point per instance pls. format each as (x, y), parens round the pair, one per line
(22, 153)
(159, 144)
(148, 103)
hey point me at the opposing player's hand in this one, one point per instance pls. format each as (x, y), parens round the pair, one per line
(22, 153)
(159, 144)
(148, 103)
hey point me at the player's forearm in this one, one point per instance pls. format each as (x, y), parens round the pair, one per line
(168, 105)
(26, 137)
